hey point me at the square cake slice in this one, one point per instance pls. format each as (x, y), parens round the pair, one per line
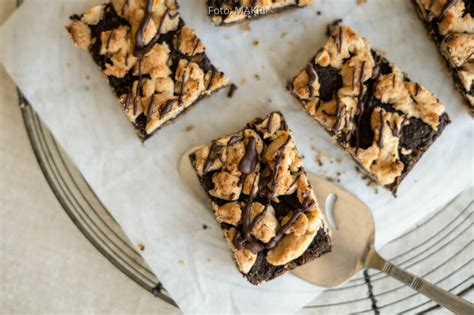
(262, 199)
(369, 106)
(226, 12)
(154, 62)
(451, 25)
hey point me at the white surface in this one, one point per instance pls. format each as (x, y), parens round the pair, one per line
(128, 176)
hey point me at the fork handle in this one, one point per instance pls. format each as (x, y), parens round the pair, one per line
(450, 301)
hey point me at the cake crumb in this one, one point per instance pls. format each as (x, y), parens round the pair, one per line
(243, 81)
(232, 89)
(257, 77)
(189, 128)
(318, 13)
(283, 34)
(205, 226)
(87, 77)
(359, 2)
(182, 262)
(209, 260)
(68, 65)
(256, 43)
(141, 246)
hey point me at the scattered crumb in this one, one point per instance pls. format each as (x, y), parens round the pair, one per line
(318, 12)
(205, 226)
(269, 100)
(227, 37)
(68, 65)
(359, 2)
(87, 88)
(209, 259)
(87, 77)
(189, 128)
(290, 42)
(283, 34)
(141, 246)
(257, 77)
(232, 89)
(302, 156)
(245, 26)
(243, 81)
(256, 43)
(182, 262)
(368, 180)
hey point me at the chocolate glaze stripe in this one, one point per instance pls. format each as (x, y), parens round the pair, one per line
(446, 7)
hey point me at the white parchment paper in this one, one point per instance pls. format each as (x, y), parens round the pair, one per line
(139, 183)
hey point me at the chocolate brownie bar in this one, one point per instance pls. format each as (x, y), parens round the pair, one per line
(451, 25)
(369, 106)
(153, 61)
(262, 199)
(226, 12)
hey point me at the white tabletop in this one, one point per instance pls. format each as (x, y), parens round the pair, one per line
(78, 279)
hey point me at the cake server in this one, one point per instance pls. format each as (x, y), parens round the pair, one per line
(352, 230)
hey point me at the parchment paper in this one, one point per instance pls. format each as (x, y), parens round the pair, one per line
(139, 183)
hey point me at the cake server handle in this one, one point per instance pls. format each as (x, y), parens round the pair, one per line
(450, 301)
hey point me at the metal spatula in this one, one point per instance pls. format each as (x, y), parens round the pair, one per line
(353, 232)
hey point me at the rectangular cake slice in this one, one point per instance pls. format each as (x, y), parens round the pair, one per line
(225, 12)
(369, 106)
(262, 199)
(451, 25)
(154, 62)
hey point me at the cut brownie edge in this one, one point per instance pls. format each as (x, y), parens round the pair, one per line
(263, 271)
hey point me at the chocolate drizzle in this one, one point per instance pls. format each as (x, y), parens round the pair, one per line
(151, 105)
(244, 236)
(446, 7)
(339, 40)
(360, 105)
(109, 38)
(165, 109)
(311, 79)
(140, 47)
(380, 140)
(214, 152)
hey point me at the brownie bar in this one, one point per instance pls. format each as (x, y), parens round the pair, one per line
(369, 107)
(153, 61)
(262, 199)
(451, 25)
(226, 12)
